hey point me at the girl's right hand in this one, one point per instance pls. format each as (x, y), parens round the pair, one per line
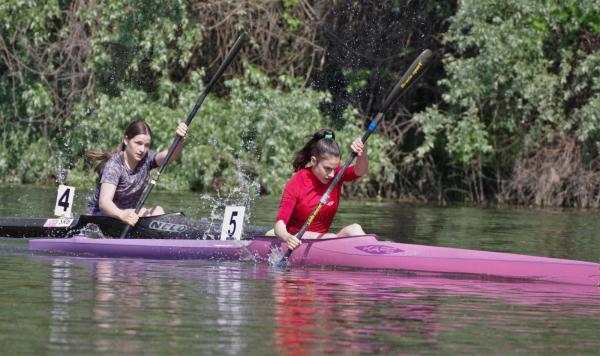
(128, 216)
(292, 241)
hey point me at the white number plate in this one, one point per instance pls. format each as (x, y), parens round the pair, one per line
(64, 201)
(233, 223)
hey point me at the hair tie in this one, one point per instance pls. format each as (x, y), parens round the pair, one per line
(328, 136)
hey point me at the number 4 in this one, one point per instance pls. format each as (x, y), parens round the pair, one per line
(64, 201)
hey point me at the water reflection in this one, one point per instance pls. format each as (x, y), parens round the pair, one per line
(112, 299)
(60, 291)
(135, 306)
(320, 310)
(296, 315)
(317, 312)
(228, 295)
(131, 301)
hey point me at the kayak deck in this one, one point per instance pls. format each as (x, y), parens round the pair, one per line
(364, 252)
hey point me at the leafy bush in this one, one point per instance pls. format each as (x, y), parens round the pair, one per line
(108, 64)
(522, 74)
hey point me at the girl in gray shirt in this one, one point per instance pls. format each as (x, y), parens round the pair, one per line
(123, 173)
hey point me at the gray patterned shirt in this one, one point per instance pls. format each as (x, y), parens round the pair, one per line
(130, 184)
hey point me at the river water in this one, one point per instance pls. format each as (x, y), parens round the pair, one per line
(70, 305)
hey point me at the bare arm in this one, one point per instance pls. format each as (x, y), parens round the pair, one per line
(109, 208)
(162, 155)
(362, 162)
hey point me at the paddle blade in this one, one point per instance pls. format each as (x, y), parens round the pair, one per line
(228, 59)
(282, 263)
(414, 72)
(284, 260)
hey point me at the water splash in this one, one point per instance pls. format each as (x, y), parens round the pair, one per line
(243, 194)
(275, 255)
(63, 152)
(60, 171)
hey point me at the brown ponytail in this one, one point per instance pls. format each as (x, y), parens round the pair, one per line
(322, 143)
(135, 128)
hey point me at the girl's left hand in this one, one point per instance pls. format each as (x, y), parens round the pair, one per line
(182, 129)
(358, 147)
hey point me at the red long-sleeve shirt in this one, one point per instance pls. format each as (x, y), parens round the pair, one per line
(302, 194)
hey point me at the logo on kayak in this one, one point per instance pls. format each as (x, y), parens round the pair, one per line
(167, 227)
(62, 222)
(378, 249)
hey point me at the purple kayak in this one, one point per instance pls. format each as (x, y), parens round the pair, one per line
(365, 252)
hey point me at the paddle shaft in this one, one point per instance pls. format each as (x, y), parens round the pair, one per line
(177, 140)
(414, 72)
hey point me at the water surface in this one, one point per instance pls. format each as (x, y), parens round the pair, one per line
(71, 305)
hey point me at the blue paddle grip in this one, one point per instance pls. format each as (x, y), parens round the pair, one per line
(372, 126)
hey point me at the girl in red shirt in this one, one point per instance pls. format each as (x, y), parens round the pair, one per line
(304, 190)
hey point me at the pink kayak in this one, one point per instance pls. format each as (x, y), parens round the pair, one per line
(365, 252)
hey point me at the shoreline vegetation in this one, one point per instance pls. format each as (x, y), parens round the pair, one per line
(509, 112)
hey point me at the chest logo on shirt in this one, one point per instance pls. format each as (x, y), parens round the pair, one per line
(378, 249)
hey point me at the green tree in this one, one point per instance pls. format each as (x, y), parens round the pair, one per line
(56, 57)
(522, 75)
(74, 73)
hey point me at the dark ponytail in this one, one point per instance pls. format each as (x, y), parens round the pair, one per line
(322, 143)
(135, 128)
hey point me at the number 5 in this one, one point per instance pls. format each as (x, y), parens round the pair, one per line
(233, 222)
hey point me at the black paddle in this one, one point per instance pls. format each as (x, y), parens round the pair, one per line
(152, 182)
(414, 72)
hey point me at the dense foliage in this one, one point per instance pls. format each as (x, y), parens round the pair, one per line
(142, 64)
(521, 103)
(509, 111)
